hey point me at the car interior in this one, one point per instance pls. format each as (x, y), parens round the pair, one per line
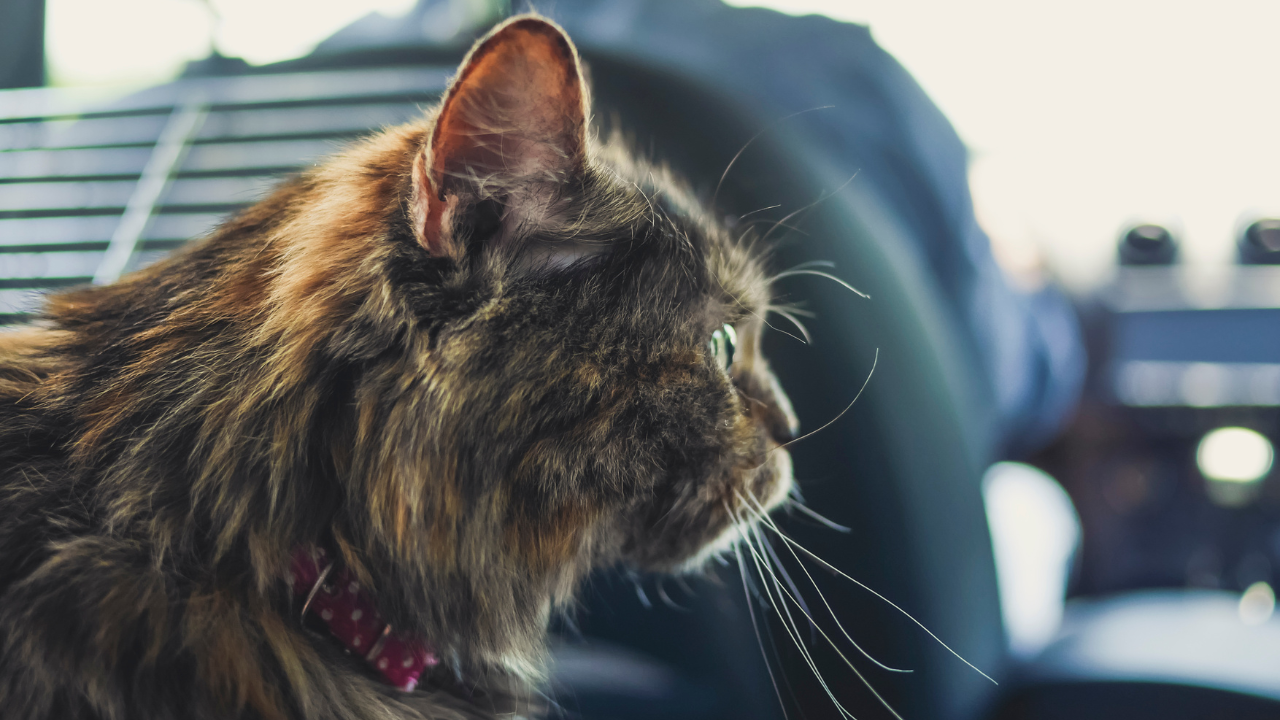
(92, 188)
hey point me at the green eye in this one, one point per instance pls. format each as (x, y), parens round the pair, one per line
(724, 343)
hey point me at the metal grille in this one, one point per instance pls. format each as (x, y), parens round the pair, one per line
(90, 190)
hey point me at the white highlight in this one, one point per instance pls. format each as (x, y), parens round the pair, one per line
(1257, 604)
(266, 31)
(1034, 533)
(1234, 455)
(146, 41)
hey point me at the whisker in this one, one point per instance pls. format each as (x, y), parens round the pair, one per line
(640, 593)
(819, 273)
(742, 572)
(791, 691)
(781, 569)
(813, 514)
(886, 600)
(748, 143)
(847, 408)
(785, 225)
(767, 521)
(793, 634)
(745, 215)
(809, 264)
(775, 224)
(794, 308)
(808, 339)
(779, 589)
(684, 586)
(821, 199)
(792, 629)
(753, 312)
(666, 599)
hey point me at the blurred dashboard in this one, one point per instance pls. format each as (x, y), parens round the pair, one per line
(1170, 459)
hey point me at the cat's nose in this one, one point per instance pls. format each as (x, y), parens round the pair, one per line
(782, 428)
(770, 407)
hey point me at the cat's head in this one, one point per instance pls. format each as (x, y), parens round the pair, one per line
(592, 335)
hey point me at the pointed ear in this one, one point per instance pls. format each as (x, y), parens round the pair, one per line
(514, 118)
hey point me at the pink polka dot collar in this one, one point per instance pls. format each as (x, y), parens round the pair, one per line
(333, 595)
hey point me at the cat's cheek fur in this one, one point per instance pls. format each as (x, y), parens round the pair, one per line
(699, 519)
(772, 486)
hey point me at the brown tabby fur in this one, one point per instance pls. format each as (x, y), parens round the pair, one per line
(469, 356)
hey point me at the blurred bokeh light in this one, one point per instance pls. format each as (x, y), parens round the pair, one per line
(1234, 454)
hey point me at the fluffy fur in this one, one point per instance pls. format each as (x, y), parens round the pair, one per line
(469, 356)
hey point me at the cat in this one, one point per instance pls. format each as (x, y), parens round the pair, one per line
(443, 375)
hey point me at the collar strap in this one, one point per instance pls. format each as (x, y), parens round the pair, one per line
(334, 597)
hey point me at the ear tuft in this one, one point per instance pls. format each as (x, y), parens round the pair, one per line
(515, 116)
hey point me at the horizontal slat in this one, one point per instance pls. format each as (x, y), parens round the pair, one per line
(309, 120)
(32, 267)
(24, 164)
(111, 194)
(219, 125)
(41, 271)
(241, 90)
(38, 196)
(68, 230)
(206, 157)
(134, 130)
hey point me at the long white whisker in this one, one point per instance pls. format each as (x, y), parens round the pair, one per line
(847, 408)
(753, 313)
(780, 590)
(641, 594)
(821, 199)
(788, 623)
(884, 599)
(780, 569)
(795, 309)
(742, 572)
(774, 225)
(666, 599)
(762, 515)
(745, 215)
(748, 144)
(819, 273)
(814, 515)
(808, 264)
(794, 321)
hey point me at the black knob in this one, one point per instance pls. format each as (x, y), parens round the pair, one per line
(1260, 243)
(1148, 245)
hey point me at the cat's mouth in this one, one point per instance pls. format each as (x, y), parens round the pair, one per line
(744, 508)
(706, 520)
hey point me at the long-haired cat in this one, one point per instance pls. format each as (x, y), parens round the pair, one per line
(428, 386)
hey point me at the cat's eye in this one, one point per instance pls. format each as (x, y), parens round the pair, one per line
(724, 343)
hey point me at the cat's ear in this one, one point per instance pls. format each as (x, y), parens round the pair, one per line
(514, 121)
